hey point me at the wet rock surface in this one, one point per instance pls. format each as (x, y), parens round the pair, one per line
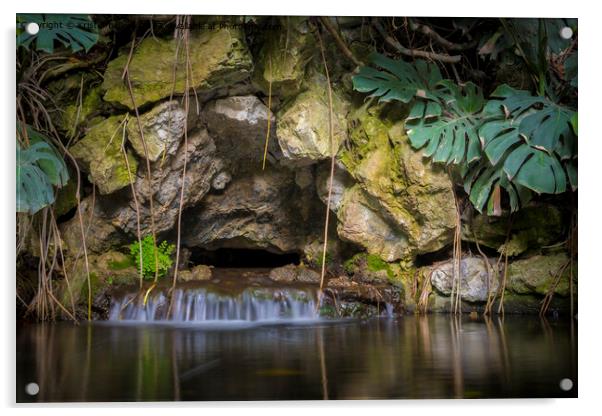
(475, 282)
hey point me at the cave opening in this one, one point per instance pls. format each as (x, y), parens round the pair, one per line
(242, 258)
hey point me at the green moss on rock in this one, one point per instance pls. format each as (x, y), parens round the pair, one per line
(534, 226)
(101, 156)
(414, 197)
(218, 58)
(284, 56)
(536, 274)
(74, 115)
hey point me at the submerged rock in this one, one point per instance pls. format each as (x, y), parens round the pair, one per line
(475, 283)
(538, 274)
(218, 58)
(303, 125)
(163, 128)
(284, 56)
(100, 154)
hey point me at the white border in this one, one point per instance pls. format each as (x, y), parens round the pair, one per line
(590, 200)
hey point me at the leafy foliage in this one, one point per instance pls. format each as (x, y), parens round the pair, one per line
(149, 248)
(76, 32)
(39, 168)
(515, 141)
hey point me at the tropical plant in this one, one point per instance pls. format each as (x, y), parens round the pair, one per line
(73, 31)
(39, 168)
(515, 141)
(150, 251)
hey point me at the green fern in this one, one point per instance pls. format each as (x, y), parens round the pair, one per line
(164, 251)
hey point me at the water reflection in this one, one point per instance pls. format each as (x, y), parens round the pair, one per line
(411, 357)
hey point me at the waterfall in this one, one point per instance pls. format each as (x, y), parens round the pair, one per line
(203, 305)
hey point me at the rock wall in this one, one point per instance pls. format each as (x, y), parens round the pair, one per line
(389, 203)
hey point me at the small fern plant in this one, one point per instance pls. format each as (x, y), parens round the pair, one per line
(148, 248)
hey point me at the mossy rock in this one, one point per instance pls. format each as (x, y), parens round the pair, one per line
(218, 58)
(414, 195)
(283, 58)
(303, 125)
(163, 127)
(533, 227)
(100, 153)
(108, 270)
(87, 114)
(537, 274)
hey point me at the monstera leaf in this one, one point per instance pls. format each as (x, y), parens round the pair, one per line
(39, 167)
(399, 80)
(74, 31)
(483, 183)
(451, 136)
(544, 124)
(515, 142)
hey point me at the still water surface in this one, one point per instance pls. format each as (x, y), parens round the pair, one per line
(410, 357)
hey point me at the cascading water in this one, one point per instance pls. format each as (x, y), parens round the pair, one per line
(203, 305)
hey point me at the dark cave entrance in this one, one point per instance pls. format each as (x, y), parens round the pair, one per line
(242, 258)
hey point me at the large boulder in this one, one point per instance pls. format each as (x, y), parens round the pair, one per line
(283, 58)
(303, 126)
(166, 184)
(239, 126)
(163, 128)
(475, 282)
(100, 153)
(108, 271)
(360, 222)
(412, 197)
(537, 274)
(218, 58)
(533, 227)
(111, 220)
(258, 210)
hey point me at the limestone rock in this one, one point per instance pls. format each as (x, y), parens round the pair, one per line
(360, 222)
(303, 125)
(285, 274)
(221, 180)
(108, 271)
(201, 167)
(474, 284)
(284, 57)
(413, 197)
(341, 182)
(163, 127)
(200, 272)
(291, 273)
(258, 210)
(537, 274)
(534, 226)
(100, 153)
(239, 126)
(114, 217)
(218, 57)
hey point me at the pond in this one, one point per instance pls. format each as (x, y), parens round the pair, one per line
(409, 357)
